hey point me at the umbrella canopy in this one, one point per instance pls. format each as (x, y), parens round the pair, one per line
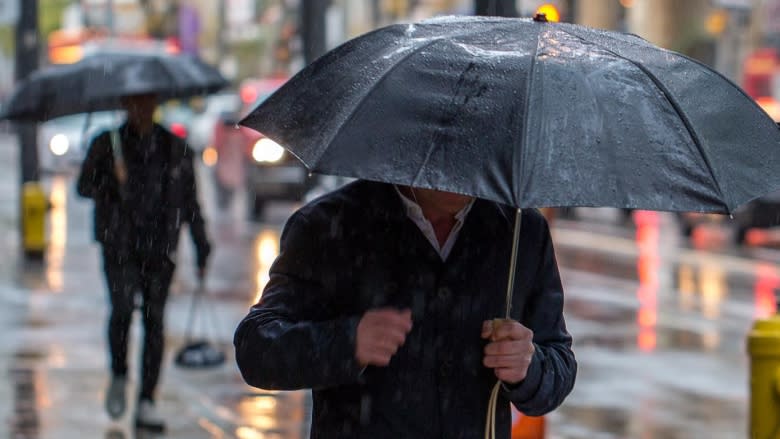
(97, 83)
(530, 114)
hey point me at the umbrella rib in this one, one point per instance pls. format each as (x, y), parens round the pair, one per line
(365, 96)
(524, 134)
(677, 109)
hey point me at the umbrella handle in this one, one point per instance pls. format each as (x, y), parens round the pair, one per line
(490, 424)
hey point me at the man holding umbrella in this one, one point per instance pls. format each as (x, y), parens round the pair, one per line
(382, 300)
(142, 181)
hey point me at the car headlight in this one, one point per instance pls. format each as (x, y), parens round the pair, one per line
(267, 151)
(59, 144)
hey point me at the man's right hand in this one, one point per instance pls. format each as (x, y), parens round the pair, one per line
(379, 335)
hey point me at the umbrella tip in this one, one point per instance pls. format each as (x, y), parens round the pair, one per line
(540, 17)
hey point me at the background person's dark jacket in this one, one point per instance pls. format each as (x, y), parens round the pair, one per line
(354, 250)
(116, 210)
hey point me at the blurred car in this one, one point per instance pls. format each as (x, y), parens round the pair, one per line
(207, 112)
(63, 142)
(268, 170)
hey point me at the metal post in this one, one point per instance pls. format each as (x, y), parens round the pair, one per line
(26, 63)
(31, 198)
(313, 28)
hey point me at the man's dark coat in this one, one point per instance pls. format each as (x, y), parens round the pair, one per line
(115, 207)
(354, 250)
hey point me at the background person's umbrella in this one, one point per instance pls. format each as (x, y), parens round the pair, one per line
(530, 114)
(97, 83)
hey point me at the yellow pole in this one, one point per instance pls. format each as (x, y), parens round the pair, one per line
(35, 205)
(764, 350)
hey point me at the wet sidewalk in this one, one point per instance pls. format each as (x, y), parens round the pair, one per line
(659, 327)
(53, 352)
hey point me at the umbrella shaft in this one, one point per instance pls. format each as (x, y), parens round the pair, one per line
(513, 262)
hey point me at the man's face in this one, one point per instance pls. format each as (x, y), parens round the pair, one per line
(447, 202)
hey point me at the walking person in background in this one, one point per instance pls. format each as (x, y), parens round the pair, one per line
(142, 181)
(382, 302)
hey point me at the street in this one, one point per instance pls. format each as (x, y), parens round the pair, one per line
(659, 326)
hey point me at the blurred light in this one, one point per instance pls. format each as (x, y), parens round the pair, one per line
(248, 95)
(717, 21)
(179, 130)
(627, 3)
(758, 73)
(770, 106)
(266, 251)
(648, 266)
(765, 290)
(267, 151)
(59, 144)
(248, 433)
(762, 62)
(647, 340)
(647, 317)
(210, 156)
(66, 54)
(58, 234)
(550, 11)
(713, 289)
(172, 46)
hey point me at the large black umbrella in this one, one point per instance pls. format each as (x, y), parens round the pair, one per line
(97, 83)
(530, 114)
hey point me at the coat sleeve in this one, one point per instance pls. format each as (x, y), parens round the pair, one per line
(293, 338)
(96, 179)
(553, 369)
(194, 216)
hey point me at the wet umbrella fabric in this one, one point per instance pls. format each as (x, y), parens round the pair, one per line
(97, 83)
(529, 114)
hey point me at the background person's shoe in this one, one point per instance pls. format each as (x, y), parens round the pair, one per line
(115, 397)
(146, 417)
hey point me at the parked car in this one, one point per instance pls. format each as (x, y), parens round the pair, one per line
(63, 142)
(268, 170)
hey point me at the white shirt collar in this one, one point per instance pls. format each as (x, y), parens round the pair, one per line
(415, 213)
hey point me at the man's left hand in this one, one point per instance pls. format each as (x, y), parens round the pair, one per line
(510, 350)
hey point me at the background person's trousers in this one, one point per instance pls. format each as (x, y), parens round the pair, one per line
(150, 278)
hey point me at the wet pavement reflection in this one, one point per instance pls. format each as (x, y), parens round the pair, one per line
(668, 360)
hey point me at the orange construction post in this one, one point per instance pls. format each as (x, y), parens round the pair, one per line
(529, 427)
